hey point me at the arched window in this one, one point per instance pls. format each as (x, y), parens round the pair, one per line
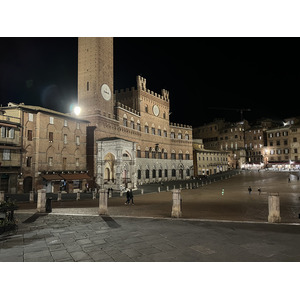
(139, 174)
(125, 120)
(147, 174)
(153, 173)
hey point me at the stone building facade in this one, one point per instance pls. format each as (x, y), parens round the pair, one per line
(52, 149)
(283, 147)
(160, 150)
(10, 151)
(208, 162)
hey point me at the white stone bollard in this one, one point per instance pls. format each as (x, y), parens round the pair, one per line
(59, 196)
(177, 204)
(41, 201)
(187, 186)
(167, 188)
(1, 196)
(142, 191)
(274, 208)
(103, 196)
(78, 196)
(93, 195)
(158, 189)
(110, 193)
(191, 186)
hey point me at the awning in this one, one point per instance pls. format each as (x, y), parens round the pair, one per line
(50, 177)
(76, 176)
(8, 125)
(10, 147)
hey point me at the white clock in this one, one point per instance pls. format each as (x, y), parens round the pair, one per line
(155, 110)
(105, 92)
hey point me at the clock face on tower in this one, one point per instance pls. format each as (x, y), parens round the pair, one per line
(155, 110)
(105, 92)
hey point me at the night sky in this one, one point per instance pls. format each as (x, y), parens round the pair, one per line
(261, 74)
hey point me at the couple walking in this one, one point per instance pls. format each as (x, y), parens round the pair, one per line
(129, 196)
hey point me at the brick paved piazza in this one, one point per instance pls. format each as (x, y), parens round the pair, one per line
(205, 202)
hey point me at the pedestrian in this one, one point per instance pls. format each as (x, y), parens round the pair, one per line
(249, 189)
(289, 179)
(259, 190)
(128, 197)
(131, 197)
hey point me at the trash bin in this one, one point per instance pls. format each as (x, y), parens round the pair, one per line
(49, 205)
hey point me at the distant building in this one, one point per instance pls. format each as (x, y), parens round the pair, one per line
(283, 145)
(208, 162)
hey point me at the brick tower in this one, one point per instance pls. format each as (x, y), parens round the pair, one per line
(95, 76)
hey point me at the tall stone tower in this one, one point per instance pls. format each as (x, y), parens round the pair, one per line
(95, 75)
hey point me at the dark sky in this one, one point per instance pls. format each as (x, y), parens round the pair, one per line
(261, 74)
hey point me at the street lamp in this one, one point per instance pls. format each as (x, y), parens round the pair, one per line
(77, 110)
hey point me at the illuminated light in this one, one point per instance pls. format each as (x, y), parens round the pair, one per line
(77, 110)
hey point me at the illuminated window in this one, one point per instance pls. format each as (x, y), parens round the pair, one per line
(6, 154)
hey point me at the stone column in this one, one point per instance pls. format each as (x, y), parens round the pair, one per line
(103, 196)
(177, 203)
(1, 196)
(274, 208)
(31, 196)
(41, 201)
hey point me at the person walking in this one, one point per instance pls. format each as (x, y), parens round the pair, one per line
(259, 190)
(249, 189)
(131, 197)
(128, 197)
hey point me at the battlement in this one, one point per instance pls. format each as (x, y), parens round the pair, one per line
(141, 84)
(125, 90)
(181, 125)
(127, 108)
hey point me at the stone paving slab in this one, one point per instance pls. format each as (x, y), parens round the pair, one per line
(144, 240)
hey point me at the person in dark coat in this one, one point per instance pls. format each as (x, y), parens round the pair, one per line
(249, 190)
(131, 197)
(128, 197)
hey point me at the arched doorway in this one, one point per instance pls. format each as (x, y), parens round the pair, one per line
(27, 184)
(109, 168)
(181, 173)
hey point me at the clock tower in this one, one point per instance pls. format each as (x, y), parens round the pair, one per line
(95, 76)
